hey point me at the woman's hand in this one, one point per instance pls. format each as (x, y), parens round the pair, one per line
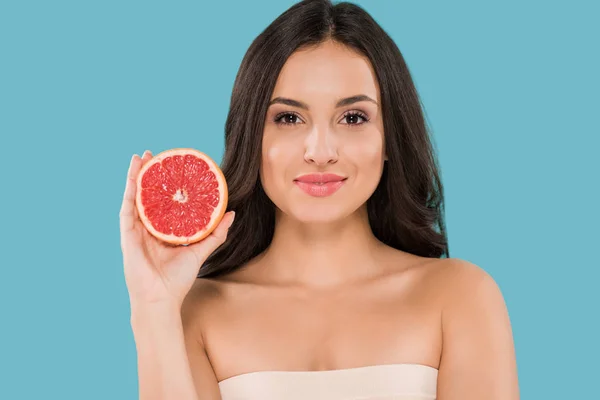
(155, 271)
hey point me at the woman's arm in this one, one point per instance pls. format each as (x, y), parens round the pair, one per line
(167, 355)
(478, 358)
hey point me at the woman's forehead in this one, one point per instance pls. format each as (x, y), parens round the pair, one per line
(329, 71)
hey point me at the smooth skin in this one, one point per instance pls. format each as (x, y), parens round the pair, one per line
(326, 294)
(158, 278)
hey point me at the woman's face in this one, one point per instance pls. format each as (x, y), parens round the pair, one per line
(324, 118)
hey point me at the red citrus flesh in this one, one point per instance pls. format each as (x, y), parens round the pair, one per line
(181, 195)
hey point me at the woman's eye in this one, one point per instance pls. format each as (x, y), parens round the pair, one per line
(286, 119)
(354, 118)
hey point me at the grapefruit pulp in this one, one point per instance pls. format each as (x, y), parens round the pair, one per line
(181, 196)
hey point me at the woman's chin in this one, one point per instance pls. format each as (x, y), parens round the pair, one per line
(323, 214)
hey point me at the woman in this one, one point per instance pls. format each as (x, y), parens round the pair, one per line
(335, 280)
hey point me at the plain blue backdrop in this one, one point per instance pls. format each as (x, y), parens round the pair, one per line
(510, 90)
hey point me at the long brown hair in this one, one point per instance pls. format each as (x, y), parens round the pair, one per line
(406, 211)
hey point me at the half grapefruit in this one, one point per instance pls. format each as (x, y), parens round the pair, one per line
(181, 196)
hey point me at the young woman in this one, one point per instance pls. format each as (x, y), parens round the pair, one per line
(335, 280)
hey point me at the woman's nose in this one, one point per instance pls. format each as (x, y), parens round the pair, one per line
(321, 148)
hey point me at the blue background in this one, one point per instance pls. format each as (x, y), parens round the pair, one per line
(511, 93)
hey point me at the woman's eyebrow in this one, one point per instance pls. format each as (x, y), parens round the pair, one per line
(341, 103)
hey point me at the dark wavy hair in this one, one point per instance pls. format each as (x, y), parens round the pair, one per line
(406, 211)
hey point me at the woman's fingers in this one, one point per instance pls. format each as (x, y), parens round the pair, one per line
(127, 213)
(208, 245)
(146, 156)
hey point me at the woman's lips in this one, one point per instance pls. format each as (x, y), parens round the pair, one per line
(320, 189)
(320, 185)
(320, 178)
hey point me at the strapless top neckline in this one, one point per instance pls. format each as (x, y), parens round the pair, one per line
(328, 371)
(402, 381)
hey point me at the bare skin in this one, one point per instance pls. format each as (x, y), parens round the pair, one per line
(441, 313)
(251, 323)
(326, 294)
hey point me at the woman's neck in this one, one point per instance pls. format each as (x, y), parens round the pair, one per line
(322, 255)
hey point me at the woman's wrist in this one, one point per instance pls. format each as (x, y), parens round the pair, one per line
(163, 313)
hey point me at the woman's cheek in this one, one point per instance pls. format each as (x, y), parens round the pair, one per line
(274, 158)
(365, 153)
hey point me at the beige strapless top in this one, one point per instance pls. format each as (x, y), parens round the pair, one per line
(377, 382)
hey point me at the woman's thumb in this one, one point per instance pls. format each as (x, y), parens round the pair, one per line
(206, 246)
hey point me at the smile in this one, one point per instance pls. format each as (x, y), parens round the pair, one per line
(320, 185)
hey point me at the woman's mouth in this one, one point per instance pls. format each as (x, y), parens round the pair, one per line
(320, 185)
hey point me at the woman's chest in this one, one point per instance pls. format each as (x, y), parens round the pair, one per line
(288, 333)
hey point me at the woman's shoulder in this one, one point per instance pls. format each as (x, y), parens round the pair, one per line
(460, 276)
(204, 297)
(476, 328)
(468, 296)
(207, 293)
(454, 269)
(455, 277)
(210, 298)
(443, 280)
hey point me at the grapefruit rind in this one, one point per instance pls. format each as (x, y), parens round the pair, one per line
(216, 215)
